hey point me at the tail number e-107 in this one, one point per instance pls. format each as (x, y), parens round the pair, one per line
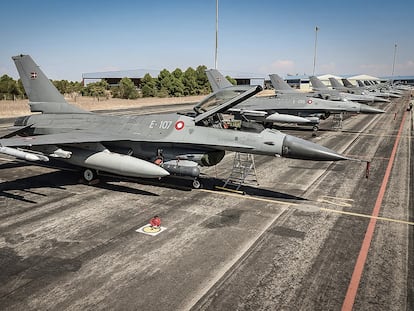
(164, 125)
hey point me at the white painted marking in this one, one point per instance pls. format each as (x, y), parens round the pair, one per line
(146, 229)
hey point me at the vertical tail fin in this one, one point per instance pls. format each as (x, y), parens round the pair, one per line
(281, 85)
(43, 95)
(317, 84)
(217, 80)
(335, 83)
(360, 83)
(347, 83)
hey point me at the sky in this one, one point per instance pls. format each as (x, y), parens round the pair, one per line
(68, 38)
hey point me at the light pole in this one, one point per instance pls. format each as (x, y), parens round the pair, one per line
(215, 58)
(314, 54)
(393, 63)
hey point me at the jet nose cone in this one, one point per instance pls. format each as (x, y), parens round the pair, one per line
(297, 148)
(367, 109)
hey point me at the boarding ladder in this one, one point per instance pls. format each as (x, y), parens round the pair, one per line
(243, 171)
(337, 120)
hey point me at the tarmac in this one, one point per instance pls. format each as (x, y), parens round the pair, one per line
(309, 236)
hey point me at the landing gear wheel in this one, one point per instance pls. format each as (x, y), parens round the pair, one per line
(315, 129)
(89, 175)
(196, 184)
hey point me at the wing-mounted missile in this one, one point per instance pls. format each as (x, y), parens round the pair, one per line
(248, 112)
(24, 155)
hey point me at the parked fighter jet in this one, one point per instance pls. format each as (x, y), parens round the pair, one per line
(149, 146)
(290, 102)
(382, 87)
(375, 92)
(338, 86)
(333, 94)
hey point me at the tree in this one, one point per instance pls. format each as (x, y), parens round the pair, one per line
(9, 88)
(148, 86)
(164, 80)
(96, 89)
(176, 87)
(177, 73)
(231, 80)
(189, 82)
(61, 85)
(202, 80)
(127, 89)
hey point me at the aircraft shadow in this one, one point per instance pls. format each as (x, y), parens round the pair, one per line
(212, 183)
(57, 180)
(60, 179)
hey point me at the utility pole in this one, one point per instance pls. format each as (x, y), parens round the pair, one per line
(314, 54)
(393, 63)
(215, 59)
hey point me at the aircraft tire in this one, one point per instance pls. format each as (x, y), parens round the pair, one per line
(196, 184)
(89, 175)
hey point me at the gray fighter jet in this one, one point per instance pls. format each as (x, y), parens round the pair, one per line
(289, 102)
(148, 146)
(382, 87)
(376, 91)
(333, 94)
(340, 87)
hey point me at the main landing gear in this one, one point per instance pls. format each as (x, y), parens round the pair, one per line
(89, 175)
(315, 129)
(196, 184)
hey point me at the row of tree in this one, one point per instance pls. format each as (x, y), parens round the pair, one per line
(167, 84)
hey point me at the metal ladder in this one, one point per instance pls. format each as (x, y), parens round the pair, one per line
(337, 121)
(243, 171)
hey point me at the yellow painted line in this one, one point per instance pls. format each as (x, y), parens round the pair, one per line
(230, 190)
(367, 216)
(249, 197)
(320, 208)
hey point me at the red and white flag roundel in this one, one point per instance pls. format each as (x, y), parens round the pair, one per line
(309, 101)
(179, 125)
(33, 75)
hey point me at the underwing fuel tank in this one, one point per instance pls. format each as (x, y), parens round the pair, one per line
(182, 168)
(116, 163)
(286, 118)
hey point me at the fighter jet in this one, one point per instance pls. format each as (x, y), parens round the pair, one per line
(375, 92)
(333, 94)
(382, 87)
(289, 102)
(338, 86)
(147, 146)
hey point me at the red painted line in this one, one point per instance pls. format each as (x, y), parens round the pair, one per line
(363, 253)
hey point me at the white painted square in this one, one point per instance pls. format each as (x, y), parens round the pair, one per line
(146, 229)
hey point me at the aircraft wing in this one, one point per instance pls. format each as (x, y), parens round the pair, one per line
(81, 137)
(74, 137)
